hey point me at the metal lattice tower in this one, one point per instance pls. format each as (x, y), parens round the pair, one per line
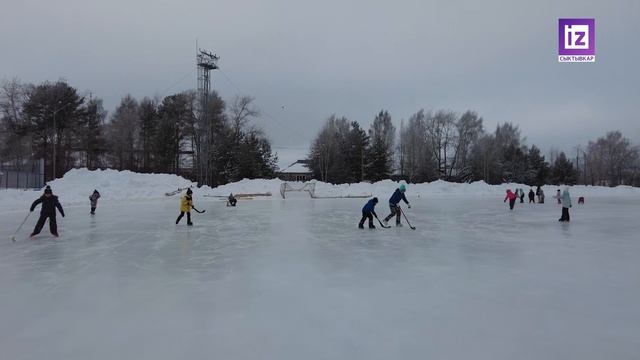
(206, 62)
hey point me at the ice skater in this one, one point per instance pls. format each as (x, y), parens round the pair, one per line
(186, 203)
(566, 204)
(520, 194)
(48, 211)
(393, 204)
(231, 200)
(368, 212)
(558, 197)
(511, 197)
(541, 197)
(94, 201)
(532, 196)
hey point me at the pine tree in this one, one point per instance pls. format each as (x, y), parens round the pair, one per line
(562, 171)
(382, 134)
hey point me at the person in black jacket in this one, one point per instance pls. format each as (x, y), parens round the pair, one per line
(49, 204)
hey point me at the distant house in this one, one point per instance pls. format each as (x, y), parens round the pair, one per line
(298, 171)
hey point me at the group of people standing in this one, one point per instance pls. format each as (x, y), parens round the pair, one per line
(563, 198)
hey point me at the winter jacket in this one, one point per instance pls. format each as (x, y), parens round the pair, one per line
(94, 199)
(566, 199)
(369, 207)
(49, 205)
(186, 203)
(532, 195)
(396, 197)
(510, 195)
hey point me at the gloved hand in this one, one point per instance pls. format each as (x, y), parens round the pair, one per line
(409, 206)
(62, 214)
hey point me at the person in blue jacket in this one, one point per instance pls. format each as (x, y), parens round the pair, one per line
(393, 204)
(368, 212)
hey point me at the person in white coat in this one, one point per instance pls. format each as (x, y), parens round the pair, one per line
(566, 205)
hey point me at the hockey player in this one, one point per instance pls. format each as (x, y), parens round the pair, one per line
(231, 200)
(186, 203)
(393, 204)
(94, 201)
(532, 196)
(49, 204)
(368, 212)
(511, 197)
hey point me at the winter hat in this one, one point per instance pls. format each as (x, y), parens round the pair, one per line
(189, 192)
(403, 188)
(375, 200)
(47, 190)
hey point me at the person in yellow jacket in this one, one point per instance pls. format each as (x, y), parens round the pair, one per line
(186, 203)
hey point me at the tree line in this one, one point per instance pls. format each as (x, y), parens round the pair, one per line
(52, 121)
(456, 147)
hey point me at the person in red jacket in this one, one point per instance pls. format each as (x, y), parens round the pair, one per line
(511, 197)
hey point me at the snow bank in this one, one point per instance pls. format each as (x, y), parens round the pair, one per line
(76, 186)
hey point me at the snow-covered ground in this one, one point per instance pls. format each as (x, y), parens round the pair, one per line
(295, 278)
(76, 186)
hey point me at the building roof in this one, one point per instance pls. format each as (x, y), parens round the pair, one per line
(297, 167)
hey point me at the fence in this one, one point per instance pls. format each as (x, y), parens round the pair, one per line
(29, 176)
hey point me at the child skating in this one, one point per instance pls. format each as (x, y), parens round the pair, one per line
(532, 196)
(186, 203)
(511, 197)
(393, 204)
(94, 201)
(368, 212)
(48, 211)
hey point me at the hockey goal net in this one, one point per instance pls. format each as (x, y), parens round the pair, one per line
(309, 187)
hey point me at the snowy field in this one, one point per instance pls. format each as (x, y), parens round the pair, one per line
(295, 279)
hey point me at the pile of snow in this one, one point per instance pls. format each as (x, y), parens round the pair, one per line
(76, 186)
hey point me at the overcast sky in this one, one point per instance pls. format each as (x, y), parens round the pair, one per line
(350, 58)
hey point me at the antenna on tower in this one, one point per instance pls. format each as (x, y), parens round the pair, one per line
(206, 62)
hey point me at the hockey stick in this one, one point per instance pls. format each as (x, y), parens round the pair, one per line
(13, 238)
(381, 224)
(198, 211)
(407, 220)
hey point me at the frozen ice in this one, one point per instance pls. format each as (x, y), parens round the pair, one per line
(296, 279)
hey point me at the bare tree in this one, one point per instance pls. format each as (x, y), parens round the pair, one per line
(123, 131)
(14, 139)
(240, 112)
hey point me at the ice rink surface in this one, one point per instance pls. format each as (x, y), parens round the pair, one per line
(295, 279)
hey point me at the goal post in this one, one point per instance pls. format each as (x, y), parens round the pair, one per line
(309, 187)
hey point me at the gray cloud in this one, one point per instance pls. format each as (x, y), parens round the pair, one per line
(351, 58)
